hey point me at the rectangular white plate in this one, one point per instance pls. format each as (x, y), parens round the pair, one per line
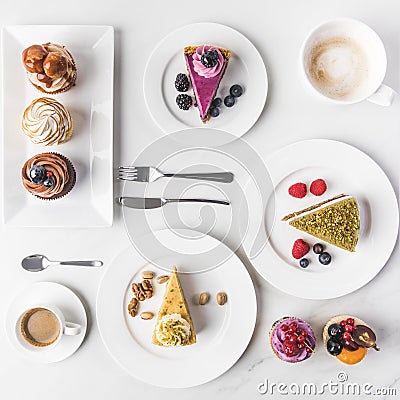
(90, 102)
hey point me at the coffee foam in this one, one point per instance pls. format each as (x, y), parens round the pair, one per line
(338, 67)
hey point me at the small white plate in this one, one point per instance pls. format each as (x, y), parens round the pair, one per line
(90, 202)
(246, 68)
(55, 294)
(223, 332)
(345, 170)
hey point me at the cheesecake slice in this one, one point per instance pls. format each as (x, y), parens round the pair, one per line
(174, 326)
(206, 66)
(335, 221)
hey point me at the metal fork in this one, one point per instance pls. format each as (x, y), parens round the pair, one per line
(151, 174)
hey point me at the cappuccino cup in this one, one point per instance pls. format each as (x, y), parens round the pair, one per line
(41, 327)
(344, 61)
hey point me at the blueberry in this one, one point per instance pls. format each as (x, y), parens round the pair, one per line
(214, 112)
(229, 101)
(304, 263)
(335, 330)
(325, 258)
(48, 182)
(318, 248)
(37, 174)
(236, 91)
(217, 102)
(334, 347)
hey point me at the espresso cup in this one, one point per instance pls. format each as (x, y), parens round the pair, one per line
(344, 61)
(41, 327)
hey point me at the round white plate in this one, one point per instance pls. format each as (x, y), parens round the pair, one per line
(55, 294)
(246, 68)
(223, 332)
(345, 170)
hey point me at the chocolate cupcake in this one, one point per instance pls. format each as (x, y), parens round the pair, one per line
(292, 340)
(47, 122)
(48, 176)
(50, 67)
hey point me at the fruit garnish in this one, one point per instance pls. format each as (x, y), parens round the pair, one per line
(210, 58)
(301, 339)
(217, 102)
(318, 248)
(236, 90)
(350, 321)
(184, 101)
(365, 337)
(290, 348)
(181, 83)
(346, 336)
(284, 328)
(350, 345)
(300, 249)
(325, 258)
(334, 347)
(348, 328)
(37, 174)
(318, 187)
(304, 263)
(214, 112)
(49, 174)
(301, 345)
(335, 330)
(298, 190)
(49, 182)
(352, 357)
(229, 101)
(343, 323)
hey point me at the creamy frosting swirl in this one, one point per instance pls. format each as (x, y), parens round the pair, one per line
(172, 330)
(52, 162)
(203, 70)
(47, 122)
(58, 84)
(278, 337)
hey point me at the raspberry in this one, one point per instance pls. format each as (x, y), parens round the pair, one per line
(318, 187)
(298, 190)
(300, 249)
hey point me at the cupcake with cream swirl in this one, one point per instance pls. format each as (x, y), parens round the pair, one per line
(47, 122)
(48, 176)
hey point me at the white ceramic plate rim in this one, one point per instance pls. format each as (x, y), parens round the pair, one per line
(159, 371)
(39, 292)
(286, 161)
(100, 208)
(182, 37)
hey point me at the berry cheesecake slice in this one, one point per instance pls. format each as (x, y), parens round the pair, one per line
(335, 221)
(206, 66)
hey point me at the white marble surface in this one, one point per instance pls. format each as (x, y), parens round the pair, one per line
(277, 28)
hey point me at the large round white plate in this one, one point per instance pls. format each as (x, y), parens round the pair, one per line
(223, 332)
(246, 68)
(346, 170)
(67, 301)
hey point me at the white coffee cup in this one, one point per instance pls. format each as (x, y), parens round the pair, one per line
(64, 328)
(344, 61)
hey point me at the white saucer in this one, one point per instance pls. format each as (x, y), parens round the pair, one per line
(63, 298)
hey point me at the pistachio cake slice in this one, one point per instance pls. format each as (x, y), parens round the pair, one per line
(335, 221)
(174, 326)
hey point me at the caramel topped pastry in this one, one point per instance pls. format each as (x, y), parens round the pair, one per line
(50, 67)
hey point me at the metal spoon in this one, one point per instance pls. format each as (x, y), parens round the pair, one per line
(38, 262)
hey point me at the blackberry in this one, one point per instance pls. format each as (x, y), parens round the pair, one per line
(181, 83)
(210, 58)
(184, 101)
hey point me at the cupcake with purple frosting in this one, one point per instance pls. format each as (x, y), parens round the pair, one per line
(292, 340)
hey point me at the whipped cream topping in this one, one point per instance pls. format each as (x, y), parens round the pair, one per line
(203, 70)
(172, 330)
(59, 84)
(52, 162)
(47, 122)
